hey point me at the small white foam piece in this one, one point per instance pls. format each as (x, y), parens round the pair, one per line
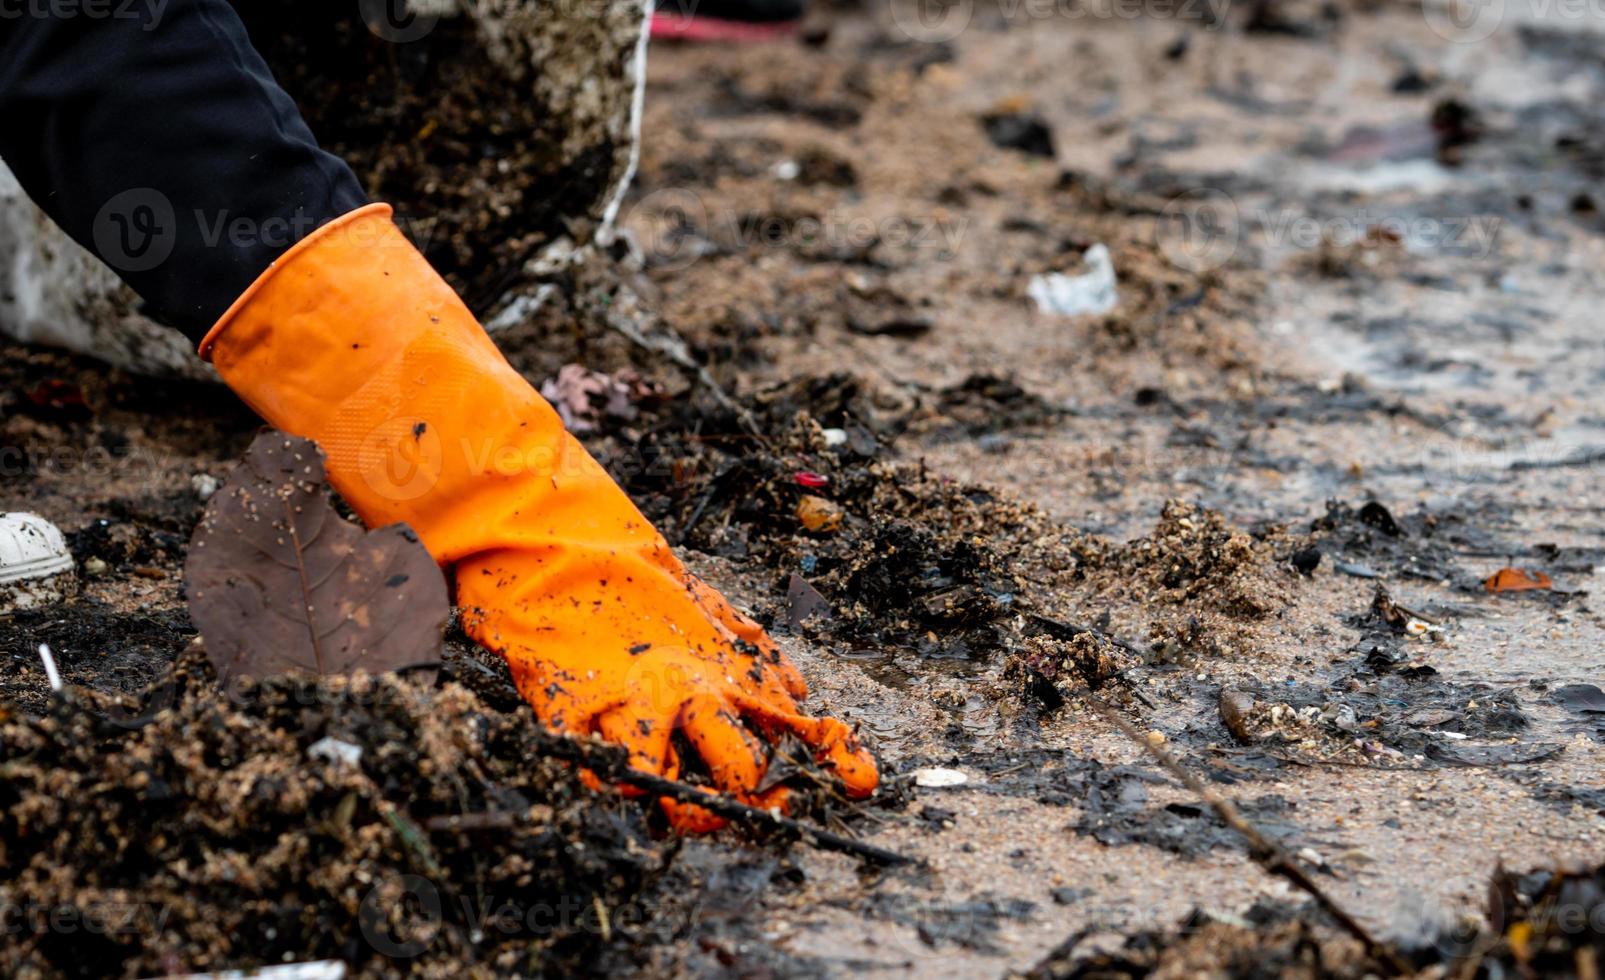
(936, 777)
(1087, 293)
(338, 751)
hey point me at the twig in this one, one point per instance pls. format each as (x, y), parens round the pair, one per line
(612, 763)
(486, 820)
(1266, 853)
(672, 346)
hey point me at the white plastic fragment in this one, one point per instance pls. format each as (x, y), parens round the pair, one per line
(204, 485)
(935, 777)
(834, 437)
(1420, 627)
(31, 547)
(50, 666)
(36, 568)
(1090, 292)
(317, 970)
(337, 751)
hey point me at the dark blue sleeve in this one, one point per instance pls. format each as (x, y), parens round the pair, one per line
(155, 135)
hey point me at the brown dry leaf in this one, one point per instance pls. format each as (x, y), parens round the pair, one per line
(280, 583)
(803, 602)
(586, 399)
(1517, 580)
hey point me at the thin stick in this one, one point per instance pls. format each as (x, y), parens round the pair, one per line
(672, 346)
(612, 763)
(1266, 853)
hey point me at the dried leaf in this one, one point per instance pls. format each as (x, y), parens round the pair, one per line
(803, 602)
(278, 582)
(1517, 580)
(587, 399)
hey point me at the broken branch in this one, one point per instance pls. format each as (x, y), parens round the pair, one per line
(1266, 853)
(612, 763)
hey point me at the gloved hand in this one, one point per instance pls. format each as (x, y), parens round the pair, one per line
(352, 340)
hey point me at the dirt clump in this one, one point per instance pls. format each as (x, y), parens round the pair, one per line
(1194, 557)
(385, 822)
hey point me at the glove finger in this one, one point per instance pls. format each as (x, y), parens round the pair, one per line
(645, 737)
(735, 757)
(685, 818)
(834, 743)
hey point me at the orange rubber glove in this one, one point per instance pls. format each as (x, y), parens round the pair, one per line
(352, 339)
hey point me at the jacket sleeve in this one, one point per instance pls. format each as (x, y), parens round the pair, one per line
(155, 135)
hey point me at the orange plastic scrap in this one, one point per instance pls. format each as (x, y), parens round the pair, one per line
(1517, 580)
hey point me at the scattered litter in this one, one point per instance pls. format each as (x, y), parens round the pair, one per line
(204, 485)
(36, 568)
(818, 514)
(1403, 620)
(1517, 580)
(337, 751)
(1088, 293)
(935, 777)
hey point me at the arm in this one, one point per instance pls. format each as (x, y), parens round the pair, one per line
(161, 143)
